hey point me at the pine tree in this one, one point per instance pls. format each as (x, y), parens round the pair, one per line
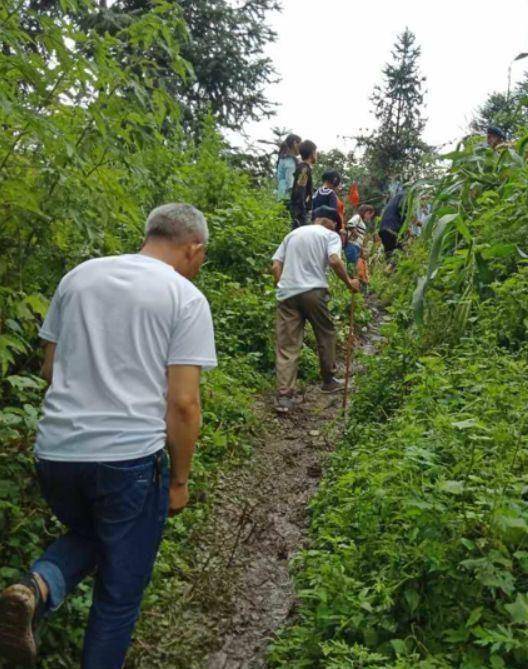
(225, 48)
(394, 149)
(222, 41)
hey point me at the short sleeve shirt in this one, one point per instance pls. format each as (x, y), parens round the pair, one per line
(305, 255)
(118, 323)
(359, 229)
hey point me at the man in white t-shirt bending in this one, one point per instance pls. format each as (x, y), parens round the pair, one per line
(299, 268)
(126, 338)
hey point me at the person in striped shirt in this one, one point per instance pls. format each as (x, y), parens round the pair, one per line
(356, 231)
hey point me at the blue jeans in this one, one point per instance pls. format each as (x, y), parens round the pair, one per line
(115, 513)
(352, 253)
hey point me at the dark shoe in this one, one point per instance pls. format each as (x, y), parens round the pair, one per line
(21, 606)
(284, 404)
(333, 386)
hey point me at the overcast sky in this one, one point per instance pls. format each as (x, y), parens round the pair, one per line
(330, 53)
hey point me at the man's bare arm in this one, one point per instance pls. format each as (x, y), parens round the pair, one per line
(183, 428)
(46, 370)
(338, 266)
(277, 270)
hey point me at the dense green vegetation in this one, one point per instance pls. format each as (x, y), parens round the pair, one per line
(91, 141)
(419, 556)
(508, 109)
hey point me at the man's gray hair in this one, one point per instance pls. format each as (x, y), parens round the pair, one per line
(178, 222)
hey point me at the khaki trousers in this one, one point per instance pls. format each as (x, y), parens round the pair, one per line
(292, 314)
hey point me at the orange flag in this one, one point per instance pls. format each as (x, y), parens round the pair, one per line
(353, 194)
(362, 270)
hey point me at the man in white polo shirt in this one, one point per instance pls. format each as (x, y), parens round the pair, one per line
(299, 268)
(126, 338)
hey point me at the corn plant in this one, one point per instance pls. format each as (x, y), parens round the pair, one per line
(464, 254)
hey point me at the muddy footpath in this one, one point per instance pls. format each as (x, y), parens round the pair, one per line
(243, 593)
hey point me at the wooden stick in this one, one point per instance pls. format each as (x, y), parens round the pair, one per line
(348, 353)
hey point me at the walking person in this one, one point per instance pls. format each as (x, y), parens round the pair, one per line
(355, 251)
(286, 166)
(299, 268)
(302, 190)
(327, 196)
(126, 338)
(392, 220)
(356, 231)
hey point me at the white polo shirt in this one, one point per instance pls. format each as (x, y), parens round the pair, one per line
(118, 323)
(305, 253)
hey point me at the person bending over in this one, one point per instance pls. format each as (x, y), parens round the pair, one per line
(301, 197)
(355, 251)
(392, 220)
(496, 137)
(299, 269)
(126, 338)
(356, 231)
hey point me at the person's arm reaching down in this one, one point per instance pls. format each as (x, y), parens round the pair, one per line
(191, 350)
(338, 266)
(278, 260)
(184, 416)
(276, 270)
(49, 333)
(46, 370)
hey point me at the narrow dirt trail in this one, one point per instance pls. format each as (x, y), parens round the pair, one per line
(243, 593)
(273, 496)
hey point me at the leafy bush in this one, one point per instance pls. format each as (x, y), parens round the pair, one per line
(420, 528)
(477, 229)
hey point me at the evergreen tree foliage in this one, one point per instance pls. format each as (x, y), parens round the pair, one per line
(508, 112)
(225, 49)
(335, 159)
(394, 149)
(221, 41)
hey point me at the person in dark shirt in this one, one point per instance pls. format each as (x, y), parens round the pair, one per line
(326, 195)
(301, 197)
(392, 220)
(496, 137)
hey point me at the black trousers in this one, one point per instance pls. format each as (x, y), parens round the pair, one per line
(390, 242)
(300, 218)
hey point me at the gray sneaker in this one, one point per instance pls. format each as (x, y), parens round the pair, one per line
(284, 404)
(333, 386)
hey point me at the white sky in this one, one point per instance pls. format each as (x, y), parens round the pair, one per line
(330, 53)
